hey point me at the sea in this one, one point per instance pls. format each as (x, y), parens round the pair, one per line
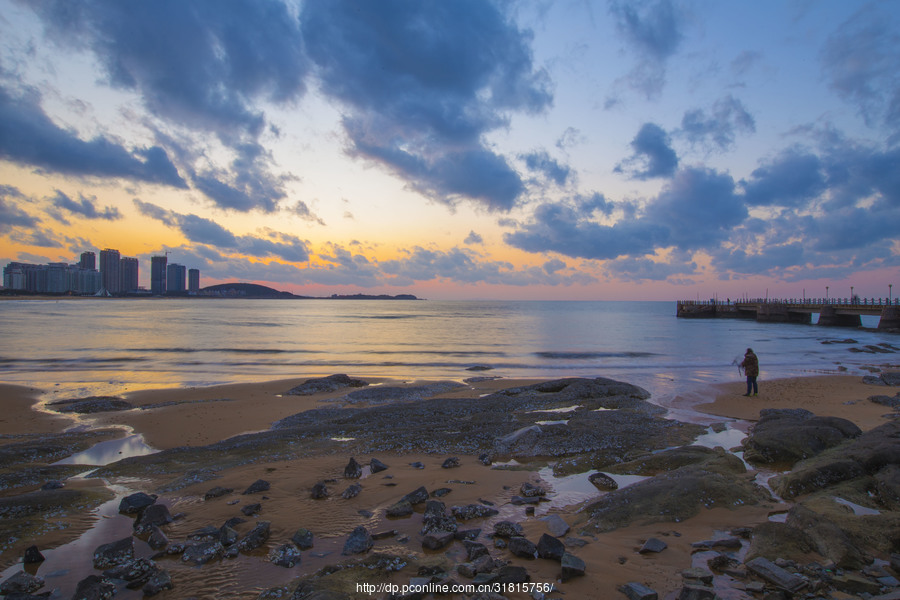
(89, 346)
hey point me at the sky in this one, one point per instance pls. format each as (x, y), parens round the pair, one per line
(460, 149)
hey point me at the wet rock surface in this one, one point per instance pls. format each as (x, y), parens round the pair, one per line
(332, 383)
(785, 436)
(90, 405)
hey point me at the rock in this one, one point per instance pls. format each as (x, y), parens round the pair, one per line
(399, 509)
(704, 576)
(507, 529)
(303, 538)
(827, 538)
(358, 542)
(417, 496)
(653, 545)
(480, 564)
(351, 491)
(440, 492)
(251, 509)
(450, 463)
(319, 491)
(157, 583)
(522, 547)
(786, 436)
(603, 482)
(775, 575)
(228, 536)
(401, 394)
(695, 591)
(417, 465)
(202, 553)
(258, 486)
(91, 405)
(850, 583)
(572, 567)
(53, 484)
(21, 583)
(320, 385)
(556, 525)
(474, 549)
(529, 490)
(891, 378)
(285, 555)
(550, 548)
(32, 556)
(157, 539)
(114, 553)
(512, 574)
(257, 536)
(473, 511)
(136, 572)
(154, 515)
(353, 470)
(437, 540)
(435, 519)
(217, 492)
(94, 587)
(376, 466)
(210, 533)
(135, 503)
(638, 591)
(727, 543)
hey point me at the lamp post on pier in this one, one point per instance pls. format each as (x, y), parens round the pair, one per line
(851, 294)
(890, 294)
(826, 294)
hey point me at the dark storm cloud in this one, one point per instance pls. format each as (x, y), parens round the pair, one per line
(793, 178)
(201, 64)
(720, 126)
(422, 83)
(84, 207)
(653, 29)
(10, 214)
(542, 163)
(206, 231)
(862, 59)
(653, 154)
(28, 136)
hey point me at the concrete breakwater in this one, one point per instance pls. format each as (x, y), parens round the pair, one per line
(835, 313)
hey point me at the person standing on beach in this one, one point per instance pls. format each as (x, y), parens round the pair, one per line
(750, 365)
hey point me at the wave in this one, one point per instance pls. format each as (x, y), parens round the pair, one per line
(554, 355)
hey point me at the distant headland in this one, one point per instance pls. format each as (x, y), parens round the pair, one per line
(254, 290)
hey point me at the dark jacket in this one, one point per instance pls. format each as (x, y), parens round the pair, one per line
(751, 365)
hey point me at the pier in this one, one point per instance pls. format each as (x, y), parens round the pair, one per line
(835, 312)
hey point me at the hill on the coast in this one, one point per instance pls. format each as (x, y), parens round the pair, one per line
(254, 290)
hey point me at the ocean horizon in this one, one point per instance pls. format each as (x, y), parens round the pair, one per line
(101, 346)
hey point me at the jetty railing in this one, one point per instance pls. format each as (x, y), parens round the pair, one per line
(844, 312)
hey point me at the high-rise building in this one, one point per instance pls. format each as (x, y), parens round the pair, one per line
(194, 281)
(109, 271)
(158, 275)
(175, 279)
(88, 261)
(128, 274)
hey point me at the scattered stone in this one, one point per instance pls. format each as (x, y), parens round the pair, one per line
(203, 552)
(473, 511)
(376, 466)
(136, 572)
(91, 405)
(383, 535)
(522, 547)
(603, 482)
(21, 583)
(258, 486)
(159, 581)
(319, 491)
(353, 470)
(320, 385)
(399, 509)
(440, 492)
(32, 556)
(572, 567)
(94, 587)
(726, 543)
(285, 555)
(217, 492)
(556, 525)
(851, 583)
(359, 542)
(437, 540)
(257, 536)
(417, 465)
(507, 529)
(529, 490)
(228, 536)
(154, 515)
(550, 548)
(653, 545)
(696, 591)
(450, 463)
(135, 503)
(417, 496)
(114, 553)
(638, 591)
(157, 539)
(251, 509)
(704, 576)
(352, 491)
(766, 569)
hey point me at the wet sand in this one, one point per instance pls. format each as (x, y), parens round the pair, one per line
(201, 416)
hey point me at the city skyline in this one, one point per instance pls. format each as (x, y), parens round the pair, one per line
(658, 149)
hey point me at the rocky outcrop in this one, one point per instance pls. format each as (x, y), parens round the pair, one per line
(332, 383)
(785, 436)
(91, 405)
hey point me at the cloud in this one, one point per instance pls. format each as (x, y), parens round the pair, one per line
(29, 137)
(197, 64)
(744, 61)
(206, 231)
(84, 207)
(10, 214)
(422, 83)
(861, 60)
(654, 30)
(540, 162)
(302, 210)
(793, 178)
(473, 239)
(653, 154)
(719, 129)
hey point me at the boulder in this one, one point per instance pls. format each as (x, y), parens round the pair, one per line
(450, 463)
(251, 509)
(114, 553)
(157, 539)
(359, 542)
(437, 540)
(91, 405)
(320, 385)
(550, 548)
(417, 496)
(522, 547)
(473, 511)
(154, 515)
(135, 503)
(399, 509)
(257, 536)
(203, 552)
(638, 591)
(157, 583)
(21, 583)
(136, 572)
(32, 556)
(94, 587)
(319, 491)
(353, 470)
(556, 525)
(435, 519)
(352, 491)
(258, 486)
(785, 436)
(572, 567)
(285, 555)
(780, 578)
(603, 482)
(507, 529)
(653, 545)
(376, 466)
(217, 492)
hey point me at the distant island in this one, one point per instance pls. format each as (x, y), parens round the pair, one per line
(254, 290)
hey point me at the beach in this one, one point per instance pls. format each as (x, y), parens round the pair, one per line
(197, 417)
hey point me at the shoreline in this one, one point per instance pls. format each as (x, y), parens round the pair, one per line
(196, 417)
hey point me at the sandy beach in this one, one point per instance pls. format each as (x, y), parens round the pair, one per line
(200, 416)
